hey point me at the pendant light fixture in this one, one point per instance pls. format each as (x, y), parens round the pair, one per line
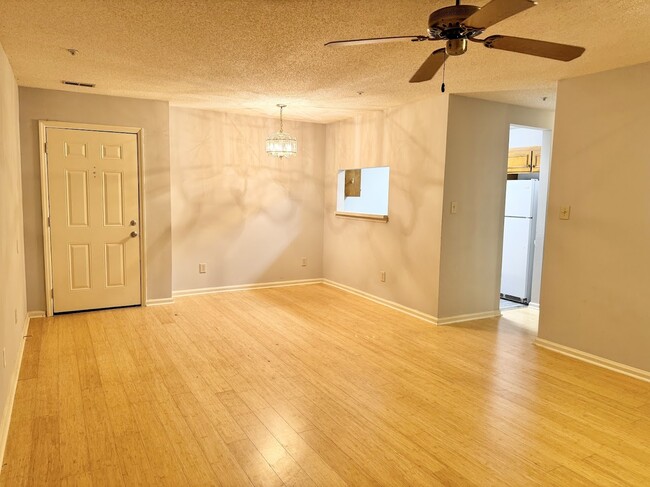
(281, 144)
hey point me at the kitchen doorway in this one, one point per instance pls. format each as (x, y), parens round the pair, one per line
(529, 161)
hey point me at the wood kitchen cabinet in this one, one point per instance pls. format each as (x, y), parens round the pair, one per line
(352, 182)
(536, 159)
(524, 159)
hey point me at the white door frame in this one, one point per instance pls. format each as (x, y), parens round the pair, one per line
(43, 125)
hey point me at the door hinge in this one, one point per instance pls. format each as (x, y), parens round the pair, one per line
(45, 147)
(52, 293)
(49, 223)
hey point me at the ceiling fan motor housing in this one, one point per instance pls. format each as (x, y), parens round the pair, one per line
(448, 23)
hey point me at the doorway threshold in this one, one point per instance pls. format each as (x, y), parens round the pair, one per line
(505, 304)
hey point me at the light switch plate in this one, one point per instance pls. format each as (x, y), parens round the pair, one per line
(565, 212)
(454, 207)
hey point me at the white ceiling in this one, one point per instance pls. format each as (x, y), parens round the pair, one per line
(247, 55)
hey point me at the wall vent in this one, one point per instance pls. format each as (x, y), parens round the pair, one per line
(78, 83)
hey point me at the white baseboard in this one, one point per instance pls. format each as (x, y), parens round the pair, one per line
(533, 306)
(243, 287)
(159, 301)
(13, 385)
(391, 304)
(414, 312)
(640, 374)
(450, 320)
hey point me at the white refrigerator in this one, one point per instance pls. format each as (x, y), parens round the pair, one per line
(519, 240)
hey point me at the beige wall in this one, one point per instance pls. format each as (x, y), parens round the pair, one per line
(153, 117)
(542, 203)
(250, 217)
(475, 178)
(12, 264)
(596, 274)
(411, 140)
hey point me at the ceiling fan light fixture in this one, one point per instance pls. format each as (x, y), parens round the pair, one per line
(456, 47)
(281, 144)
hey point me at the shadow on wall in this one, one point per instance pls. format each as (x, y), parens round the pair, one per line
(232, 201)
(411, 142)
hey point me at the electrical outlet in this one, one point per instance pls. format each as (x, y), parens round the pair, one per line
(382, 276)
(565, 212)
(203, 268)
(304, 262)
(454, 207)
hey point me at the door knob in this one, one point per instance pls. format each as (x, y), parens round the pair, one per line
(134, 234)
(133, 223)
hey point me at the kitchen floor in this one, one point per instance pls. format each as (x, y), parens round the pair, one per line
(522, 317)
(505, 304)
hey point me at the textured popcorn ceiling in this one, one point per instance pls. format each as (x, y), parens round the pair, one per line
(248, 55)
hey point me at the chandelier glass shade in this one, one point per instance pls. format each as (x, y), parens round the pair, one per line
(281, 144)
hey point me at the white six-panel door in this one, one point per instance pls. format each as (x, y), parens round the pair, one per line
(94, 219)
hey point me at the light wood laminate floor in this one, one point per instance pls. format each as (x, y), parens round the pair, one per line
(311, 385)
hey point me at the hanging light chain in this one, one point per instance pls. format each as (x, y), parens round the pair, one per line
(281, 122)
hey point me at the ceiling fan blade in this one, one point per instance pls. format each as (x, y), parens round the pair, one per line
(551, 50)
(496, 11)
(375, 40)
(430, 66)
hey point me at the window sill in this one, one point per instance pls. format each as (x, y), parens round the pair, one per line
(362, 216)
